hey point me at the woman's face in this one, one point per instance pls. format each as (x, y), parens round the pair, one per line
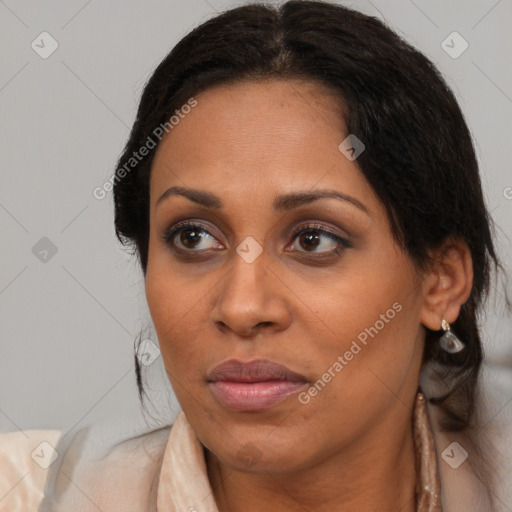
(255, 278)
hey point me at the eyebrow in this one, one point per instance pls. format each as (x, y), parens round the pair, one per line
(283, 202)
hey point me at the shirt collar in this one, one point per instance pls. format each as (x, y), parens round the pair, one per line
(184, 486)
(183, 483)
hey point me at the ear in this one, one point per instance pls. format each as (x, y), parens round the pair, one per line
(447, 284)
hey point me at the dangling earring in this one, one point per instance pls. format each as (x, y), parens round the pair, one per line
(448, 341)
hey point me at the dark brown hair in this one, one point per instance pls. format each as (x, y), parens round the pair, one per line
(419, 155)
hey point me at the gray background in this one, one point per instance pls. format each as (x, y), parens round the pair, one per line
(68, 323)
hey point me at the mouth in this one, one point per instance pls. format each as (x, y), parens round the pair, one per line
(254, 385)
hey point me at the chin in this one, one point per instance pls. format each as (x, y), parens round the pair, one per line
(263, 457)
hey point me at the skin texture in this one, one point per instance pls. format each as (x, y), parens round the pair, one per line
(350, 447)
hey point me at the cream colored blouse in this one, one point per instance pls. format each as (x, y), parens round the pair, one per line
(131, 468)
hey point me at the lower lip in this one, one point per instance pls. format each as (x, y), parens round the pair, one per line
(253, 396)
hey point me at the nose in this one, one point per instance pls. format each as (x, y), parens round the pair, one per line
(251, 298)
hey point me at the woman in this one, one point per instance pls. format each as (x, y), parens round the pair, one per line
(302, 193)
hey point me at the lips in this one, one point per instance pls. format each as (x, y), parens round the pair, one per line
(253, 386)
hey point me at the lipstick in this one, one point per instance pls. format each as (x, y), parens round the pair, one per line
(254, 385)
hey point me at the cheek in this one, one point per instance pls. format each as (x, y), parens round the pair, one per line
(167, 294)
(371, 331)
(167, 305)
(177, 310)
(360, 372)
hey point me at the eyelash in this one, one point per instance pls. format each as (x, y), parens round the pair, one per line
(321, 230)
(175, 230)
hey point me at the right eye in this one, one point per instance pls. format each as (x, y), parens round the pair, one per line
(189, 236)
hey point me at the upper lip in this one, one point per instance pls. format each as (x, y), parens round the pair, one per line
(258, 370)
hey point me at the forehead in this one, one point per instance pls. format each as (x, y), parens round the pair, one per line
(260, 135)
(255, 111)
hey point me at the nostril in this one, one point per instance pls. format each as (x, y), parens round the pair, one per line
(262, 324)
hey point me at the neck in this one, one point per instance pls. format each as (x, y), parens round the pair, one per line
(376, 472)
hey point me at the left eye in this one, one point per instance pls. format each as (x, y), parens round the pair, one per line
(311, 237)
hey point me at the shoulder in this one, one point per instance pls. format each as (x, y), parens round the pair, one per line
(496, 419)
(462, 489)
(24, 458)
(112, 465)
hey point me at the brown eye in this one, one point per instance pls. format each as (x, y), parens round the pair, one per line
(309, 241)
(316, 239)
(190, 237)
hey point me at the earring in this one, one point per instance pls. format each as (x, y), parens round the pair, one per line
(448, 341)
